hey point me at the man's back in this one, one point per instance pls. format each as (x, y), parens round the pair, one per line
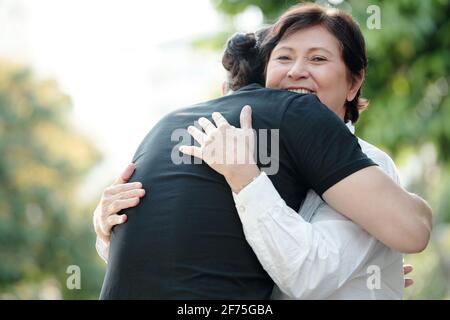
(184, 240)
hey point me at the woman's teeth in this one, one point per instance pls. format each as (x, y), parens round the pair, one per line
(300, 90)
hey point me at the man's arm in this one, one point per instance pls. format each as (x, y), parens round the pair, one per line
(403, 220)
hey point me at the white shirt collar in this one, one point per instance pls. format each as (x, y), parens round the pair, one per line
(350, 126)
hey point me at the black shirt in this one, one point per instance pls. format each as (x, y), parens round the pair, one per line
(185, 240)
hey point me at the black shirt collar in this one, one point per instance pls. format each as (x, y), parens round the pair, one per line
(250, 87)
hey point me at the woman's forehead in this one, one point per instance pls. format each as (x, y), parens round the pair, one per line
(311, 38)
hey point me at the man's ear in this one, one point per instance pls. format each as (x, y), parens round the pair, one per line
(224, 88)
(357, 81)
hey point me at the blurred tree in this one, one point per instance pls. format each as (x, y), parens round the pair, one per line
(407, 83)
(43, 162)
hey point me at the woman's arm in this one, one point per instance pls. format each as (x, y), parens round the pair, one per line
(120, 195)
(368, 197)
(305, 260)
(399, 219)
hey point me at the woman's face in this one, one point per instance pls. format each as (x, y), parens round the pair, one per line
(310, 59)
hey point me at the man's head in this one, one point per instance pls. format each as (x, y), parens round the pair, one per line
(242, 60)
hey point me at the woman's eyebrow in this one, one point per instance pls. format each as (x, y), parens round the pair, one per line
(320, 49)
(308, 51)
(283, 48)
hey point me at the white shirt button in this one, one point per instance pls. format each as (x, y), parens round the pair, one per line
(241, 209)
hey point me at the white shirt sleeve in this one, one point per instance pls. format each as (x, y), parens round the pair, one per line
(102, 249)
(306, 260)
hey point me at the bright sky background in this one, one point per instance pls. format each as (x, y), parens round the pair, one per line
(125, 63)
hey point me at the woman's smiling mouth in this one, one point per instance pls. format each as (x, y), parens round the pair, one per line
(301, 90)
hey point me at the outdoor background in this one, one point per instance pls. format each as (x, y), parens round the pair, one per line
(82, 82)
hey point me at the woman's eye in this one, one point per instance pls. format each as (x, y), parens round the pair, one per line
(318, 59)
(283, 58)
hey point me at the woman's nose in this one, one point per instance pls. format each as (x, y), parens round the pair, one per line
(298, 70)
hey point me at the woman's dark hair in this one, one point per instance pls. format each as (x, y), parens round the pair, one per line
(242, 59)
(341, 26)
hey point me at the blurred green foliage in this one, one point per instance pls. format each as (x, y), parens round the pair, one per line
(407, 84)
(43, 162)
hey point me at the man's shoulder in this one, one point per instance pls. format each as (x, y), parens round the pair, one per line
(263, 101)
(308, 107)
(308, 113)
(254, 94)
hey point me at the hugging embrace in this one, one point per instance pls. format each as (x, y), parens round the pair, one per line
(331, 222)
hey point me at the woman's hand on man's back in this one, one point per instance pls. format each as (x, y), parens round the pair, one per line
(120, 195)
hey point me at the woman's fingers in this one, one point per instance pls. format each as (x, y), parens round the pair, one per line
(118, 188)
(191, 151)
(206, 125)
(408, 282)
(126, 174)
(121, 204)
(129, 194)
(219, 120)
(198, 135)
(113, 205)
(246, 117)
(120, 195)
(407, 268)
(115, 219)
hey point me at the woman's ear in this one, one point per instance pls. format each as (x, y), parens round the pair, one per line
(357, 81)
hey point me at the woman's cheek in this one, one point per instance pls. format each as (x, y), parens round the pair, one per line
(275, 75)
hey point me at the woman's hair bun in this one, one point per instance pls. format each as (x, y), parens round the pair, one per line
(242, 60)
(242, 44)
